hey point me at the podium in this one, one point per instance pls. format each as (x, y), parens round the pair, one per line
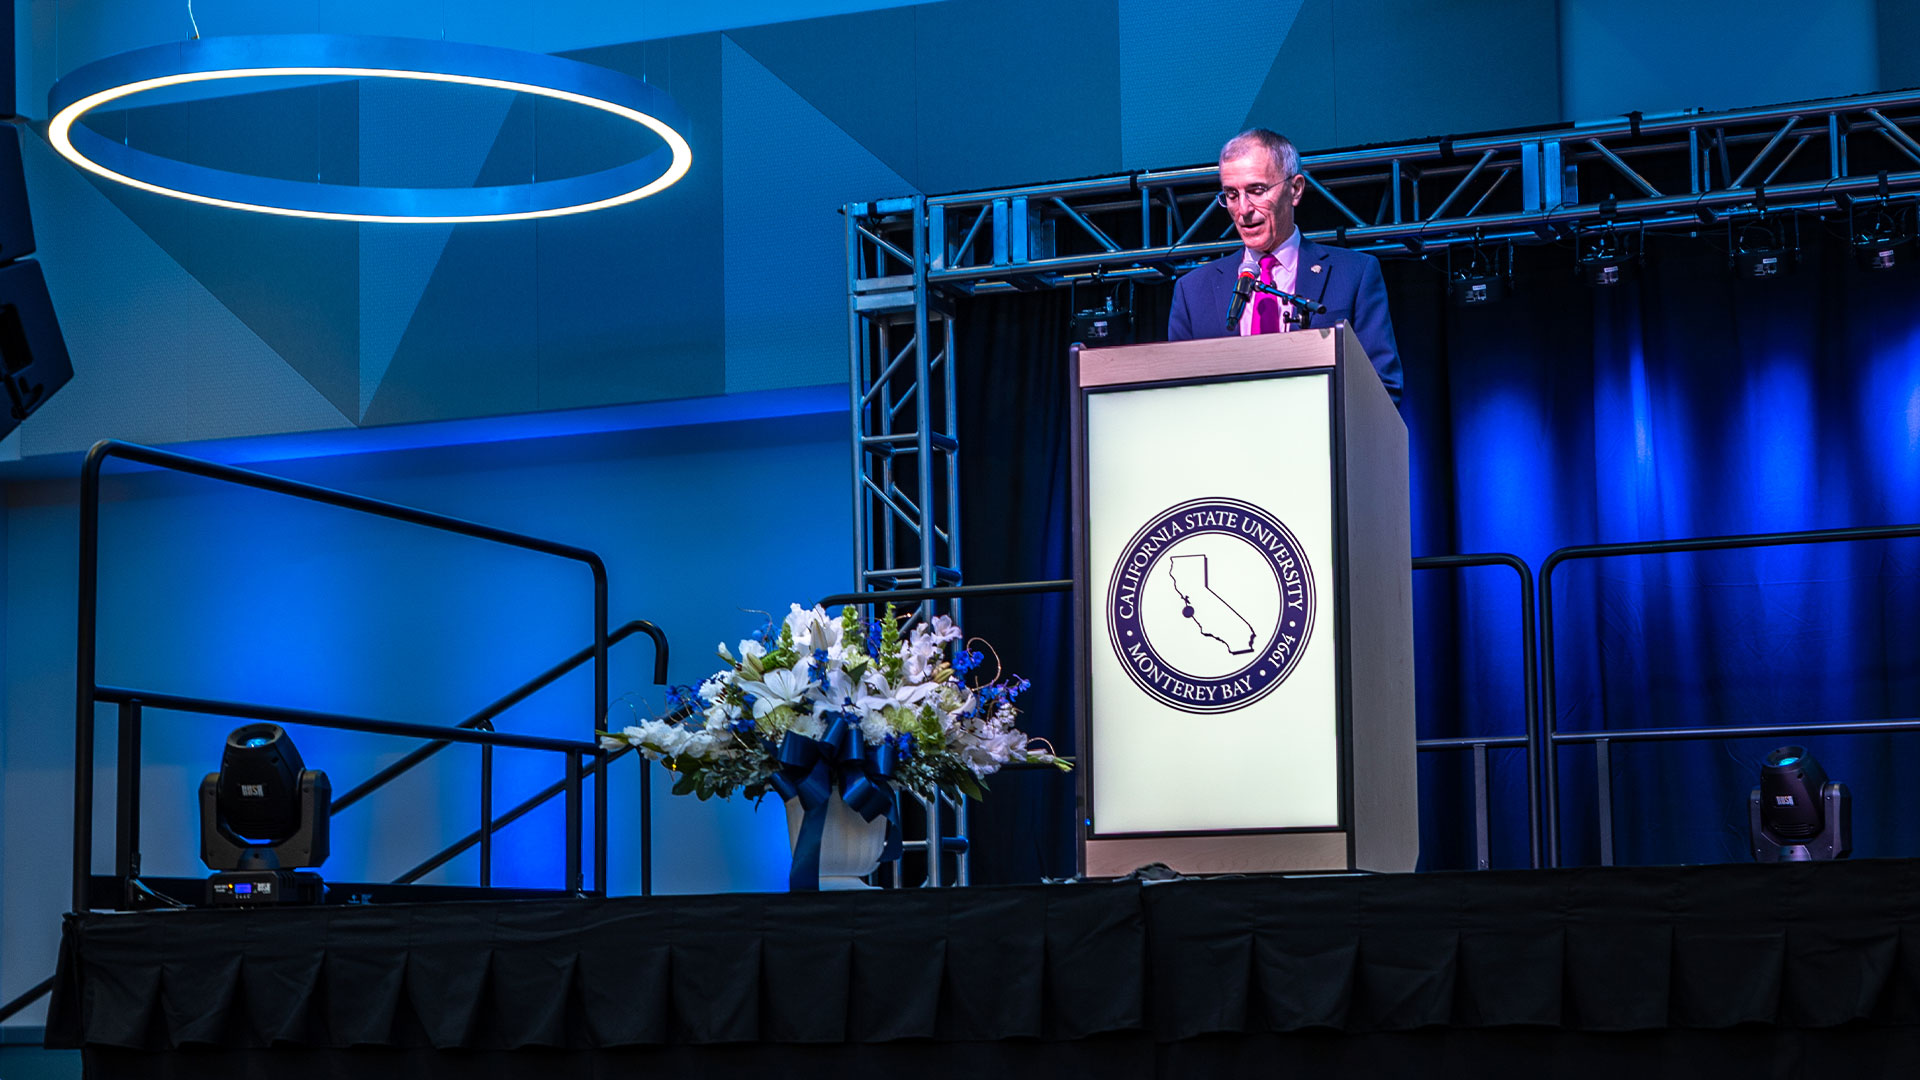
(1243, 608)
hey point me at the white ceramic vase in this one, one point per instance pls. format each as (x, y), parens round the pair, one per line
(850, 845)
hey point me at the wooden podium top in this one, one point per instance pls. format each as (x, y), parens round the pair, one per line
(1210, 357)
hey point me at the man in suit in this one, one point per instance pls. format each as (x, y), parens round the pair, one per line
(1260, 184)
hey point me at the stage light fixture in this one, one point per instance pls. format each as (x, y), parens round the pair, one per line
(1879, 240)
(1482, 277)
(1797, 814)
(264, 821)
(1607, 258)
(1765, 249)
(1097, 327)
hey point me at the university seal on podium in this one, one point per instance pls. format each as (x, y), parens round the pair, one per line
(1210, 605)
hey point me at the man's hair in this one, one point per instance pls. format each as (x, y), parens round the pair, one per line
(1285, 157)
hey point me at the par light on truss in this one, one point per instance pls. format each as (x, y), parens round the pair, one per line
(1767, 248)
(1481, 277)
(1606, 258)
(1878, 240)
(331, 55)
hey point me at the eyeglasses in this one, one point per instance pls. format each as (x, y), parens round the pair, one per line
(1230, 198)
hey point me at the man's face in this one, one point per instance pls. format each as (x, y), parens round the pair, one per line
(1260, 199)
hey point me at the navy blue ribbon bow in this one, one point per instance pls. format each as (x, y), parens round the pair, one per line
(809, 771)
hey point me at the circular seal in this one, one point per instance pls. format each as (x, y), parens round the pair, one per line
(1210, 605)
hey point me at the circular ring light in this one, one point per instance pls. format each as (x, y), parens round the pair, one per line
(126, 74)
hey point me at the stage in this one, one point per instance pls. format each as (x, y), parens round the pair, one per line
(1747, 970)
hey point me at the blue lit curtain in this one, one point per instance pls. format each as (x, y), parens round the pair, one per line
(1681, 403)
(1686, 403)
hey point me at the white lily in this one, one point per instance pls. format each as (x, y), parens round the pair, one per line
(781, 686)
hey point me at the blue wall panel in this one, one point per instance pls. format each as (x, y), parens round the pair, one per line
(786, 322)
(1185, 86)
(870, 88)
(1663, 57)
(1025, 92)
(630, 301)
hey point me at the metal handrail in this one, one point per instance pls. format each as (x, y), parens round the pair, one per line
(40, 990)
(246, 710)
(1602, 742)
(947, 592)
(1530, 678)
(530, 804)
(1550, 773)
(133, 702)
(483, 719)
(1530, 666)
(88, 689)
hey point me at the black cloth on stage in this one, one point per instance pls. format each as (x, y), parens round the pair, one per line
(1150, 980)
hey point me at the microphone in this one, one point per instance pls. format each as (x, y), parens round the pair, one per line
(1242, 292)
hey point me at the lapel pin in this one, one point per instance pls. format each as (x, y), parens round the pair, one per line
(1315, 268)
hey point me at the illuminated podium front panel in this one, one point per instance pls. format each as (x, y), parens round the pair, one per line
(1244, 608)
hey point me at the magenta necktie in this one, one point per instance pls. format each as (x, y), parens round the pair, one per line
(1266, 309)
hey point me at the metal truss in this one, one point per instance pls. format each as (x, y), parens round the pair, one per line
(906, 503)
(1681, 171)
(909, 258)
(906, 468)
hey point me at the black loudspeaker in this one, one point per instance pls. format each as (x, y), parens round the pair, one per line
(33, 355)
(16, 225)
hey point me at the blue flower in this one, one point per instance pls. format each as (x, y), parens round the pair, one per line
(965, 661)
(817, 672)
(686, 698)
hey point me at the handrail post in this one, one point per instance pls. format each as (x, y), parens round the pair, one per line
(486, 816)
(1482, 826)
(126, 861)
(1549, 726)
(601, 777)
(646, 825)
(1530, 665)
(1603, 783)
(84, 676)
(574, 881)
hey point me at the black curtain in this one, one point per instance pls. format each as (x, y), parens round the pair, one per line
(1682, 402)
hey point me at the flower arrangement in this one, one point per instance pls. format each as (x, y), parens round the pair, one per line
(864, 686)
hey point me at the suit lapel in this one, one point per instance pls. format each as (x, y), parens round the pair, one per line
(1221, 291)
(1310, 278)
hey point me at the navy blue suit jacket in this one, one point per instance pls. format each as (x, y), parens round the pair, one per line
(1348, 282)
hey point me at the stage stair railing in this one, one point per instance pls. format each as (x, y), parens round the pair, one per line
(1479, 745)
(1603, 739)
(483, 720)
(126, 879)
